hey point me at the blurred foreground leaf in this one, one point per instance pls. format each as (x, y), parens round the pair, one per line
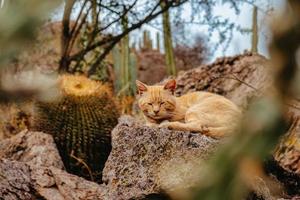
(19, 20)
(30, 84)
(231, 173)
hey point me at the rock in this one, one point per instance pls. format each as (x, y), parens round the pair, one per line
(288, 152)
(140, 172)
(19, 180)
(242, 78)
(151, 66)
(145, 162)
(285, 162)
(33, 148)
(141, 155)
(31, 168)
(239, 78)
(53, 183)
(15, 181)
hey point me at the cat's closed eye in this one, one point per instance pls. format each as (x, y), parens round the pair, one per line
(162, 103)
(150, 104)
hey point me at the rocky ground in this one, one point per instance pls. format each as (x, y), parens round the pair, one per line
(145, 163)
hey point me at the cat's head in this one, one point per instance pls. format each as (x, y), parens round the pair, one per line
(157, 101)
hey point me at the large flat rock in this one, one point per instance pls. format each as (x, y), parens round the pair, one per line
(34, 148)
(142, 158)
(239, 78)
(31, 168)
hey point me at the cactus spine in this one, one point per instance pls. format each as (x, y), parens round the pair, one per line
(80, 122)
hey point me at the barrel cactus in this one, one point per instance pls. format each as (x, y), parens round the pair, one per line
(80, 123)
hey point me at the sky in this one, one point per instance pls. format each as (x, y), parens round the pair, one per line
(242, 42)
(239, 43)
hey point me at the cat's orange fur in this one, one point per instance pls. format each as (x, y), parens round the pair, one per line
(204, 112)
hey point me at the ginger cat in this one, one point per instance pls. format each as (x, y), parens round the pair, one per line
(204, 112)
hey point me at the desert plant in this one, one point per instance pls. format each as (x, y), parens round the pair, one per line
(264, 123)
(254, 30)
(124, 62)
(168, 44)
(158, 42)
(112, 14)
(147, 42)
(80, 122)
(126, 75)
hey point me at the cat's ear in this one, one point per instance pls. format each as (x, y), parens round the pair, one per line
(170, 85)
(141, 87)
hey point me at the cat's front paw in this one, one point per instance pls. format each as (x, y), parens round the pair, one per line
(204, 129)
(151, 124)
(164, 124)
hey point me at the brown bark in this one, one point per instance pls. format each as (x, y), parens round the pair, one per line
(65, 38)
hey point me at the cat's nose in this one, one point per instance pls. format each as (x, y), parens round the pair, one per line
(155, 111)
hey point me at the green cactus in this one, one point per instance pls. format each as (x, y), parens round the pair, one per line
(126, 73)
(116, 55)
(158, 41)
(124, 60)
(140, 44)
(254, 39)
(81, 123)
(168, 44)
(147, 42)
(125, 50)
(132, 72)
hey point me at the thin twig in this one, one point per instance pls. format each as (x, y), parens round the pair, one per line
(83, 163)
(117, 38)
(238, 79)
(247, 84)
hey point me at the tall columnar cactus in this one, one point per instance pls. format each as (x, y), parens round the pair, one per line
(147, 42)
(125, 50)
(140, 44)
(124, 62)
(81, 123)
(158, 41)
(126, 73)
(116, 57)
(132, 72)
(168, 45)
(254, 31)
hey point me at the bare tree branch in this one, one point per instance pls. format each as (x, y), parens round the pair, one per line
(107, 41)
(117, 38)
(66, 32)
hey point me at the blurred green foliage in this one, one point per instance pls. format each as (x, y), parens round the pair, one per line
(263, 124)
(18, 22)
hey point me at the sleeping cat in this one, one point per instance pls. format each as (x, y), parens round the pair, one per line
(204, 112)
